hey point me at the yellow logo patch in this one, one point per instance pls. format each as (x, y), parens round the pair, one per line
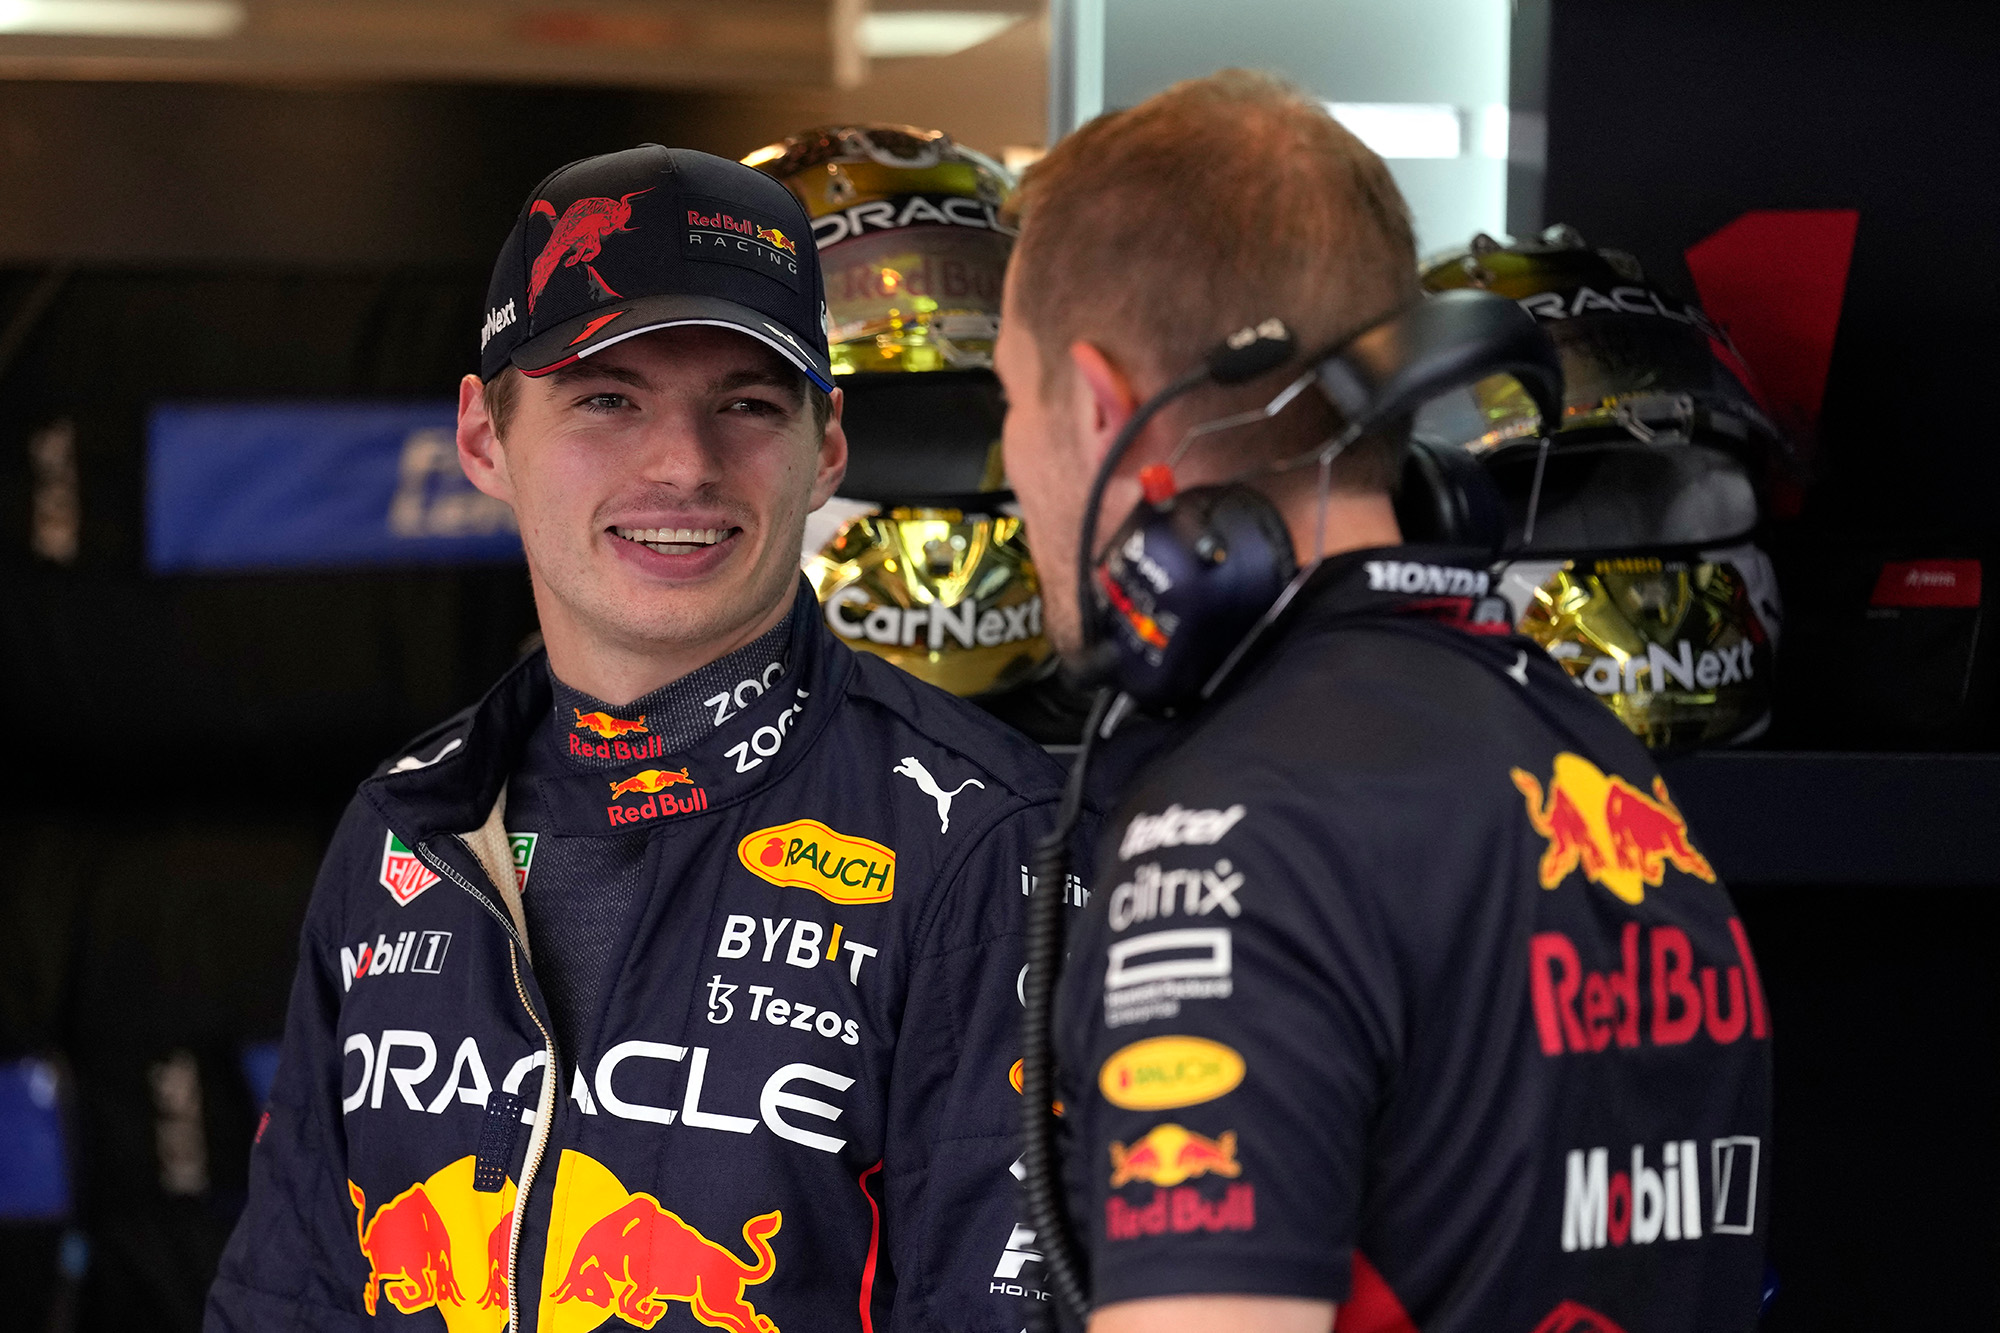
(1161, 1073)
(806, 854)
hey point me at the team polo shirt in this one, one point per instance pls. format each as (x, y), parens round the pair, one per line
(1406, 986)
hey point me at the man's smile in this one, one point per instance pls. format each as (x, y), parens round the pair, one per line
(676, 541)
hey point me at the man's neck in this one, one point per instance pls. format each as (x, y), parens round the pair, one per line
(1355, 521)
(617, 671)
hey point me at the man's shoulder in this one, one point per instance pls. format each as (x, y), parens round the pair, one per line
(1372, 736)
(430, 745)
(506, 705)
(889, 706)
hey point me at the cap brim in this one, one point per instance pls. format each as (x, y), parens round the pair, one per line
(580, 337)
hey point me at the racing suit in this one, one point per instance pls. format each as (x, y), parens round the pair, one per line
(1406, 987)
(787, 1106)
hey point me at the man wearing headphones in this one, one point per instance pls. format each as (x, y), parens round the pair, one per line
(1405, 999)
(676, 979)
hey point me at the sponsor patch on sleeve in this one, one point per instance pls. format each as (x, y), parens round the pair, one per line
(1162, 1073)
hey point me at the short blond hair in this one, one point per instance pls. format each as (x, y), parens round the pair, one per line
(1155, 231)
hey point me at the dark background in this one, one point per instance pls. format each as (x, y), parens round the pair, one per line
(183, 745)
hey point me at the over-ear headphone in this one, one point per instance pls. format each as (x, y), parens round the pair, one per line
(1192, 577)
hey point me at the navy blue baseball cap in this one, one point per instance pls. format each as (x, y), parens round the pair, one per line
(651, 238)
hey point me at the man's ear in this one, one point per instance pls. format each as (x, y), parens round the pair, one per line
(832, 455)
(1102, 398)
(479, 452)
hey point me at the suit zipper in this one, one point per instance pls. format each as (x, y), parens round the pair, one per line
(545, 1115)
(545, 1103)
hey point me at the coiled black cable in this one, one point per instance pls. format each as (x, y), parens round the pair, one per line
(1042, 1170)
(1244, 355)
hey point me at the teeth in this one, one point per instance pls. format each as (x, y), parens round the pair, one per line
(673, 536)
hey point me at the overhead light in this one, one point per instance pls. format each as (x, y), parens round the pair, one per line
(929, 32)
(1402, 129)
(121, 18)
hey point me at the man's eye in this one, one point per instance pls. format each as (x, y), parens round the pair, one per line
(604, 402)
(756, 407)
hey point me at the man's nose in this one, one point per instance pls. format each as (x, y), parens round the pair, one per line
(678, 452)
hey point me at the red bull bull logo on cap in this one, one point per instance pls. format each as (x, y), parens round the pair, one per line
(631, 1257)
(425, 1247)
(576, 238)
(1599, 823)
(1170, 1154)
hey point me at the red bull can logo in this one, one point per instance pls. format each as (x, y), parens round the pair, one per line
(637, 1258)
(424, 1246)
(1169, 1155)
(1599, 823)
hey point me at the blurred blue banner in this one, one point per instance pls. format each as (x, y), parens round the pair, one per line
(315, 485)
(34, 1166)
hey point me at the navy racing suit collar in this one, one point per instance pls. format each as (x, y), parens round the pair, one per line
(1447, 584)
(451, 781)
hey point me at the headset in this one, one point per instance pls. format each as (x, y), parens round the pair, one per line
(1193, 579)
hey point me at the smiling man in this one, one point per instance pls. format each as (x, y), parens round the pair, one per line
(677, 979)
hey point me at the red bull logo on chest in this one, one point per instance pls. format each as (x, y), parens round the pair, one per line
(1170, 1154)
(440, 1244)
(631, 1257)
(1597, 822)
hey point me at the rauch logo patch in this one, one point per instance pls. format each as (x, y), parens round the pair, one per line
(806, 854)
(1161, 1073)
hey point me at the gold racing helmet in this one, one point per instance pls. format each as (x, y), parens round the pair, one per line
(911, 240)
(1631, 555)
(920, 557)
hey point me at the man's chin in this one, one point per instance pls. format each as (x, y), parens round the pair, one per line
(682, 613)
